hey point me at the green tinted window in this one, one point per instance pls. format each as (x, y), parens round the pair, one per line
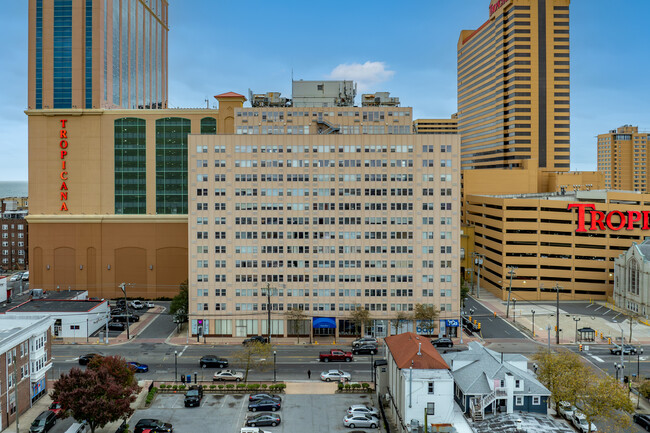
(209, 125)
(171, 165)
(130, 166)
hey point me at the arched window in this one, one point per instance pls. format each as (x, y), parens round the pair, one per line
(209, 125)
(633, 277)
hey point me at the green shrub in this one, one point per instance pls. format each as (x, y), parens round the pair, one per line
(263, 386)
(151, 395)
(175, 387)
(644, 389)
(163, 386)
(220, 386)
(230, 386)
(213, 386)
(182, 387)
(356, 385)
(365, 385)
(241, 386)
(282, 386)
(253, 386)
(340, 385)
(346, 386)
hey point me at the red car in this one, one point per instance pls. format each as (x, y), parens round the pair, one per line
(57, 409)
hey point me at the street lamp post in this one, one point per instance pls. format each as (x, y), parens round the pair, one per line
(175, 365)
(126, 308)
(576, 319)
(274, 370)
(268, 312)
(533, 327)
(638, 372)
(514, 309)
(372, 369)
(512, 273)
(618, 367)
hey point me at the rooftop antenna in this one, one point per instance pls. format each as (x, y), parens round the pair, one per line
(419, 348)
(207, 103)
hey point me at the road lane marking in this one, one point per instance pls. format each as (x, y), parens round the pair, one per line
(614, 318)
(182, 351)
(598, 308)
(597, 358)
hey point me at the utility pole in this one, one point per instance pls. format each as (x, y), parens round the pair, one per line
(126, 308)
(268, 310)
(511, 271)
(478, 259)
(557, 313)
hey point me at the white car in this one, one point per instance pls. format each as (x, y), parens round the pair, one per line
(331, 375)
(566, 409)
(26, 276)
(16, 277)
(353, 421)
(232, 375)
(149, 304)
(137, 304)
(360, 409)
(580, 422)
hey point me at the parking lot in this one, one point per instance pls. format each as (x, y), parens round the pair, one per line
(227, 413)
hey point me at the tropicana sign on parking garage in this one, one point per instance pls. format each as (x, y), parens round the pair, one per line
(612, 220)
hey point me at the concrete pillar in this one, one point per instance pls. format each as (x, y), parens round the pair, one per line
(510, 390)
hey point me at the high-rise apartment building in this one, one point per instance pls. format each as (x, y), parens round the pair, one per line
(513, 87)
(623, 158)
(97, 54)
(323, 210)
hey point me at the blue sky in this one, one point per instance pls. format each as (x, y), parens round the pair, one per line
(407, 48)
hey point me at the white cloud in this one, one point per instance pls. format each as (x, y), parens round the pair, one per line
(365, 75)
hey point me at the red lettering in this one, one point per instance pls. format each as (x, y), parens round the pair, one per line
(63, 154)
(63, 144)
(63, 165)
(64, 187)
(64, 175)
(646, 220)
(64, 196)
(64, 134)
(581, 213)
(633, 216)
(64, 207)
(63, 123)
(620, 214)
(597, 218)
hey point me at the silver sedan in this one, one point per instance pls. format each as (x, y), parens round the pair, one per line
(353, 421)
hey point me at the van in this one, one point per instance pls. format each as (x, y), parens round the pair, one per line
(253, 430)
(78, 427)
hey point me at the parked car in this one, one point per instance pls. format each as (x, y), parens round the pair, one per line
(123, 318)
(353, 421)
(331, 375)
(25, 276)
(213, 361)
(255, 339)
(268, 404)
(193, 396)
(155, 425)
(335, 355)
(566, 409)
(627, 349)
(643, 420)
(264, 396)
(116, 326)
(139, 368)
(442, 342)
(120, 303)
(137, 304)
(580, 422)
(43, 422)
(231, 375)
(78, 427)
(368, 348)
(16, 277)
(271, 419)
(360, 409)
(252, 430)
(57, 409)
(85, 359)
(149, 304)
(364, 340)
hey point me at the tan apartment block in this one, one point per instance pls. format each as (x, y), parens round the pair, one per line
(328, 222)
(436, 126)
(513, 87)
(540, 236)
(623, 158)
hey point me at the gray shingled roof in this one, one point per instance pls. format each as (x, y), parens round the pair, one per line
(644, 249)
(484, 366)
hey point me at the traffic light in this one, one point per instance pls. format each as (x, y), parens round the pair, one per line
(479, 326)
(555, 328)
(495, 314)
(580, 348)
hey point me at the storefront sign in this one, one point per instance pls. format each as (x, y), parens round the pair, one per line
(63, 144)
(324, 322)
(612, 220)
(496, 6)
(451, 323)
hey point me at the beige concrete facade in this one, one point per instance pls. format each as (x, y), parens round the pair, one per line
(623, 158)
(436, 126)
(329, 222)
(513, 100)
(536, 233)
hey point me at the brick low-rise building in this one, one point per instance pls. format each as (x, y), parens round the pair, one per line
(13, 238)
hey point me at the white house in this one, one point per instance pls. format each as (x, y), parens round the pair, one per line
(76, 319)
(631, 282)
(418, 382)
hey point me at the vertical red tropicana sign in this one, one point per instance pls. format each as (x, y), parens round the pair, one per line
(613, 220)
(497, 5)
(63, 144)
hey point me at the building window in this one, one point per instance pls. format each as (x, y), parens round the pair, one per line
(171, 165)
(536, 400)
(430, 388)
(209, 126)
(431, 408)
(519, 400)
(62, 54)
(130, 166)
(633, 270)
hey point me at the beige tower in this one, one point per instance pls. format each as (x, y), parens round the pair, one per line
(623, 158)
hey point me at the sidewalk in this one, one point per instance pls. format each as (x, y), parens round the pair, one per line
(521, 316)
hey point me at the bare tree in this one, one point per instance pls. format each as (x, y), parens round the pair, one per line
(427, 315)
(295, 319)
(255, 355)
(360, 317)
(401, 316)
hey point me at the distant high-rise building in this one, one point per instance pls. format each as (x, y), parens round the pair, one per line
(97, 54)
(436, 126)
(513, 87)
(623, 158)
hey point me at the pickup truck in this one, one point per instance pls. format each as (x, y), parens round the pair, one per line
(335, 355)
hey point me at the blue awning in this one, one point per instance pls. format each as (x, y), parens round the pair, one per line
(324, 322)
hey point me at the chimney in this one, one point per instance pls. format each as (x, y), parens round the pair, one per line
(419, 348)
(501, 357)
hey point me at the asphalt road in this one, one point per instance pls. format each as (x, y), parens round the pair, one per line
(491, 327)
